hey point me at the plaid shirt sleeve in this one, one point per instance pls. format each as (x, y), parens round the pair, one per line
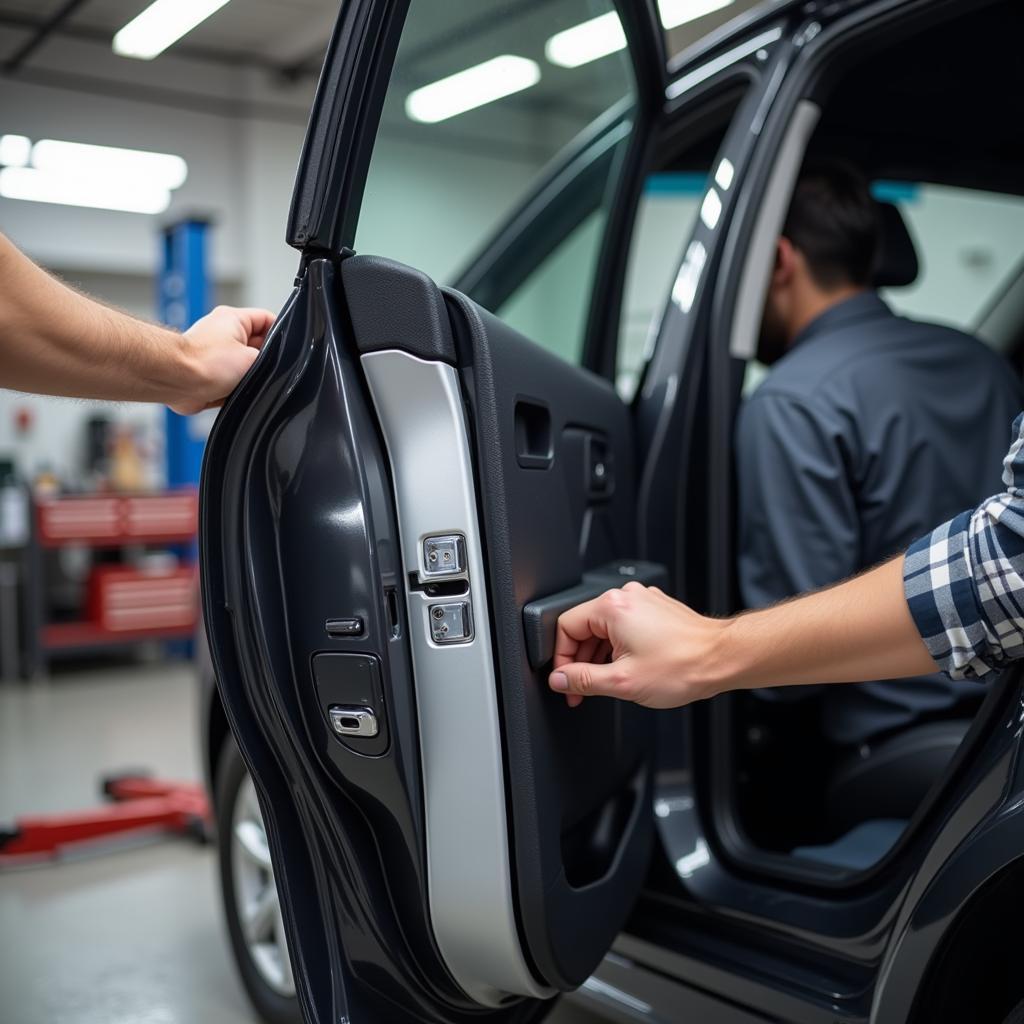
(964, 582)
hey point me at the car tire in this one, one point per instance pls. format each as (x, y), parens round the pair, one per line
(251, 910)
(1016, 1015)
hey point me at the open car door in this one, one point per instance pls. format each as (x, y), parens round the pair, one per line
(397, 503)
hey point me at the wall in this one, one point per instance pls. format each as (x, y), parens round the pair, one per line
(242, 152)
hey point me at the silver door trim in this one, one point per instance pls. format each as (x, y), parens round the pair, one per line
(468, 867)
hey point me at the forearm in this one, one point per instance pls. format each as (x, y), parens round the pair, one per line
(56, 341)
(856, 631)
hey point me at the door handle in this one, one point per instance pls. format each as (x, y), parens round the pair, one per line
(540, 617)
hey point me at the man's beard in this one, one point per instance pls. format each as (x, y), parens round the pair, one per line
(772, 342)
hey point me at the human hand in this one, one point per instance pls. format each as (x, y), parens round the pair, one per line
(640, 645)
(219, 349)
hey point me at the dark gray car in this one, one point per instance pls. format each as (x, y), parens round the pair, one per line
(406, 491)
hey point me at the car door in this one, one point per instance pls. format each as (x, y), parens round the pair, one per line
(397, 503)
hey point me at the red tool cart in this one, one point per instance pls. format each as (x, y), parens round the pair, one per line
(122, 603)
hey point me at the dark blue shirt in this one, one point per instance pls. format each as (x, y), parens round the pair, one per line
(870, 429)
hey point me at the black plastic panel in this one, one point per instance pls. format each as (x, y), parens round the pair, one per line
(575, 777)
(394, 306)
(353, 679)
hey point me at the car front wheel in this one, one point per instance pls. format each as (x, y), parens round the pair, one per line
(251, 904)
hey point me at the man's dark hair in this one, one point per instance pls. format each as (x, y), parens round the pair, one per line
(833, 220)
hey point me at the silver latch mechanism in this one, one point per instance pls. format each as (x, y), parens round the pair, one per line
(353, 720)
(444, 555)
(451, 623)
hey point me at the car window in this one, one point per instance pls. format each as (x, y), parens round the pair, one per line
(969, 245)
(481, 100)
(665, 219)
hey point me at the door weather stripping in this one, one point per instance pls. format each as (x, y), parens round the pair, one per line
(469, 874)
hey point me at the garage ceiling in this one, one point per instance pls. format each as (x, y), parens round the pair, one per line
(287, 40)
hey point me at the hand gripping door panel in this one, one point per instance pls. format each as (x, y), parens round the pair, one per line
(305, 594)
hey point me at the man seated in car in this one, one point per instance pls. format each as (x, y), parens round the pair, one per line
(868, 428)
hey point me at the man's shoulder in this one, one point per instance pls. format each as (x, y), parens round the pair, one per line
(867, 349)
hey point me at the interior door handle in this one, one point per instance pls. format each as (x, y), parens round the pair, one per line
(540, 617)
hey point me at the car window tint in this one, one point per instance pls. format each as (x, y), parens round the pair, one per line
(442, 179)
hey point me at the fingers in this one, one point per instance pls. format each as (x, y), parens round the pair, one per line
(595, 651)
(257, 323)
(253, 321)
(583, 679)
(585, 621)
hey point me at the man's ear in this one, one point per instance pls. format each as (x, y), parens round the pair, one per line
(785, 262)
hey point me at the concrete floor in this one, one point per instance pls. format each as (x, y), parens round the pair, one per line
(130, 936)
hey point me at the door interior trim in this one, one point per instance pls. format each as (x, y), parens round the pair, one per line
(469, 870)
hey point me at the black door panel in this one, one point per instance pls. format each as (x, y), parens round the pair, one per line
(298, 529)
(577, 781)
(544, 527)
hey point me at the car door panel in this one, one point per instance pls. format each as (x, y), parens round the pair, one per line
(399, 476)
(285, 547)
(577, 780)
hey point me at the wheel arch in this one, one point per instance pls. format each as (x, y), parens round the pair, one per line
(952, 946)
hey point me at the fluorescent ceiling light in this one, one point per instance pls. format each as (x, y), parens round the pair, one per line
(586, 42)
(480, 84)
(15, 150)
(76, 190)
(160, 24)
(600, 36)
(162, 170)
(678, 12)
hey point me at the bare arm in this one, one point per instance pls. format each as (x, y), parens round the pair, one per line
(56, 341)
(664, 655)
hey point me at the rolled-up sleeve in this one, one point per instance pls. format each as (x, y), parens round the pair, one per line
(964, 581)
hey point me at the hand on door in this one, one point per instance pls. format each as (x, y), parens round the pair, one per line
(637, 644)
(663, 654)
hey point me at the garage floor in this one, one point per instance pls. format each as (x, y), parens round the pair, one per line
(132, 936)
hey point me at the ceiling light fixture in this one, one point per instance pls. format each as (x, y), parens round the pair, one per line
(164, 170)
(678, 12)
(587, 41)
(473, 87)
(75, 190)
(600, 36)
(162, 23)
(15, 150)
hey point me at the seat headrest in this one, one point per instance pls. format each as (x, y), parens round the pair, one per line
(896, 264)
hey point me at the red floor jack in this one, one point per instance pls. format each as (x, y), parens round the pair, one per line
(138, 803)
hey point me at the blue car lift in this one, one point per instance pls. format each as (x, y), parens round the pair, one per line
(184, 297)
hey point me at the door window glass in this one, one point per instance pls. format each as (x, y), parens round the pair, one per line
(665, 220)
(479, 103)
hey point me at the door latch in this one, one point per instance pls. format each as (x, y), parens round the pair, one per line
(444, 555)
(451, 623)
(353, 720)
